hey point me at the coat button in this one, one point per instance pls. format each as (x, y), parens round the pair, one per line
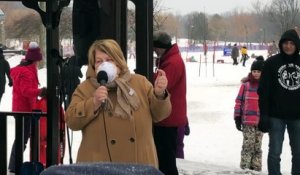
(113, 142)
(132, 139)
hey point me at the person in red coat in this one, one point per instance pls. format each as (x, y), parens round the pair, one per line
(25, 90)
(165, 132)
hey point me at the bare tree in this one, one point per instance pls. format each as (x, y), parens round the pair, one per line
(196, 26)
(158, 15)
(217, 27)
(259, 7)
(131, 24)
(65, 27)
(172, 24)
(159, 18)
(25, 24)
(284, 13)
(242, 26)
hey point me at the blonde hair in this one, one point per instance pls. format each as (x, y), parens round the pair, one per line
(112, 49)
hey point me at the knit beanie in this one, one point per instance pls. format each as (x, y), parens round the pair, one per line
(33, 53)
(259, 58)
(162, 40)
(257, 65)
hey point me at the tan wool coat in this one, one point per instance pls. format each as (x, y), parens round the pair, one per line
(106, 137)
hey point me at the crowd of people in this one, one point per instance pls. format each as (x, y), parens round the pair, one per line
(236, 51)
(125, 117)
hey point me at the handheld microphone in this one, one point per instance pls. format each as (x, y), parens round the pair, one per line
(102, 79)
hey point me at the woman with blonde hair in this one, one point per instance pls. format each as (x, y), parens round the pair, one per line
(116, 116)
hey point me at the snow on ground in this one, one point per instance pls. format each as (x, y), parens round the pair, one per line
(214, 145)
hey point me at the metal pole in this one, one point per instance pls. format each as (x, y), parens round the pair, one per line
(200, 65)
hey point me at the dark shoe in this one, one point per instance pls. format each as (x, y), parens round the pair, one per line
(11, 172)
(258, 169)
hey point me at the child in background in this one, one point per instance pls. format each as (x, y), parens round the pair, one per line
(244, 53)
(246, 116)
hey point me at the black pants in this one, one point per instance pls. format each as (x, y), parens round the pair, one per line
(235, 62)
(244, 57)
(165, 140)
(27, 123)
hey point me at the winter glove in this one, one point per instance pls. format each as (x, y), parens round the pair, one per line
(10, 83)
(187, 130)
(238, 123)
(43, 92)
(264, 123)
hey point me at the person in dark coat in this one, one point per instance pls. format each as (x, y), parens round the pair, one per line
(70, 75)
(235, 54)
(279, 99)
(4, 70)
(166, 131)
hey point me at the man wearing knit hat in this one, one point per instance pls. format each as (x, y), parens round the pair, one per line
(25, 91)
(165, 132)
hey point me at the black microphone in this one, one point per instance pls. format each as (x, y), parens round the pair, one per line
(102, 78)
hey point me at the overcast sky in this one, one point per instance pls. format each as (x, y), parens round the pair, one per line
(209, 6)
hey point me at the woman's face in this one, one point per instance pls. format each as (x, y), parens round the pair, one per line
(101, 57)
(256, 74)
(159, 51)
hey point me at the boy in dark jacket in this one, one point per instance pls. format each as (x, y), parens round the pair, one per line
(279, 99)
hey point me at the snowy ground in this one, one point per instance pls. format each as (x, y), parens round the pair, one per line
(214, 145)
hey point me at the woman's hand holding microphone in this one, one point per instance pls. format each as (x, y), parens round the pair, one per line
(100, 97)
